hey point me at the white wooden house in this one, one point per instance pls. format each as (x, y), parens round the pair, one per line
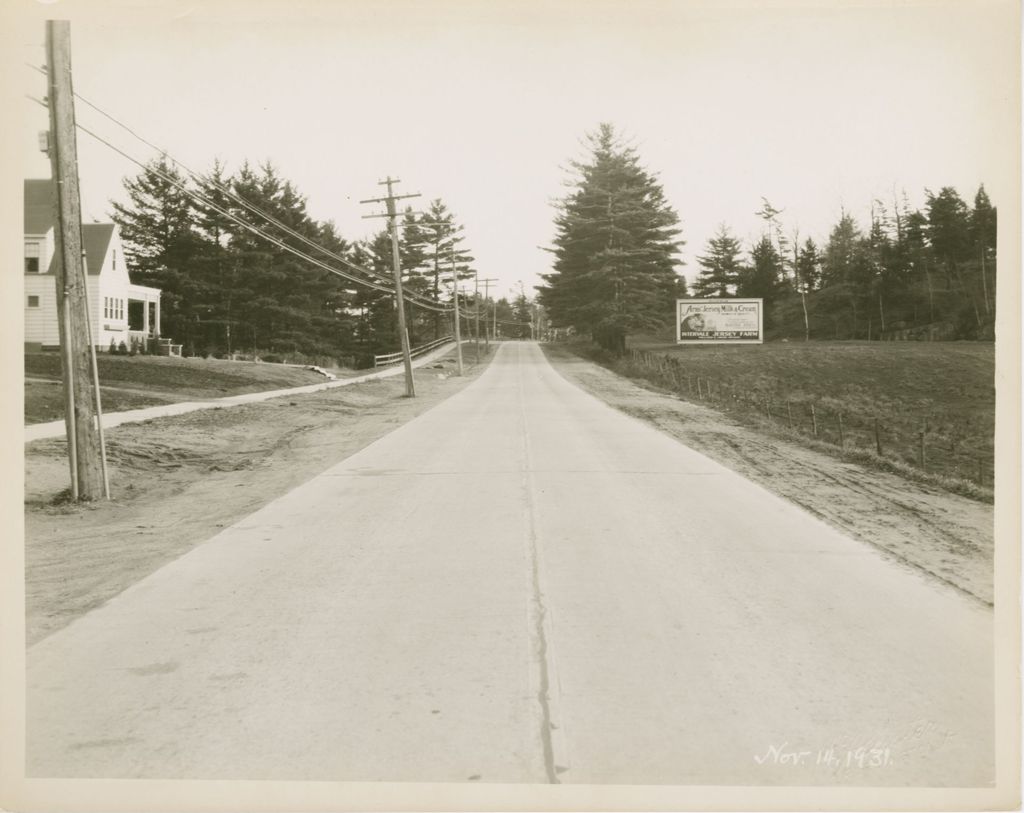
(119, 310)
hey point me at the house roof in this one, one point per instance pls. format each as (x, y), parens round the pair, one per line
(39, 212)
(96, 237)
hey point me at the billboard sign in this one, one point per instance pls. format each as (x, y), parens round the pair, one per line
(720, 321)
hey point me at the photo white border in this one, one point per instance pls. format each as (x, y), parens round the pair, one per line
(19, 793)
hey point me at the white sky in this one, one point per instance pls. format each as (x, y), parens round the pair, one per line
(814, 106)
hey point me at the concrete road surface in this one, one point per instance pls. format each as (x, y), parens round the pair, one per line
(523, 585)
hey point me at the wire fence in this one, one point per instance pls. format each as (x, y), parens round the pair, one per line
(944, 444)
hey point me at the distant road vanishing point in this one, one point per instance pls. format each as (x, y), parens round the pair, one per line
(524, 585)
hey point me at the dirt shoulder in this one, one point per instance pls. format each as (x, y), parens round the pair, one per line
(947, 536)
(177, 481)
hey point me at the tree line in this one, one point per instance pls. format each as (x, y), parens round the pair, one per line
(911, 273)
(226, 290)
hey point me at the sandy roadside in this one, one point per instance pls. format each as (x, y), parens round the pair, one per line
(944, 535)
(177, 481)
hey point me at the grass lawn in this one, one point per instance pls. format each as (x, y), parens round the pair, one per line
(44, 401)
(945, 389)
(129, 382)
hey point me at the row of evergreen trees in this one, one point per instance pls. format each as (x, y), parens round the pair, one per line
(912, 273)
(228, 290)
(927, 272)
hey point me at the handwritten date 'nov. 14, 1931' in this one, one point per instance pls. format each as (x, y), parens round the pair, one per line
(826, 757)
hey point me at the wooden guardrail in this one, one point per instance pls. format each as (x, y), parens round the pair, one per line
(385, 359)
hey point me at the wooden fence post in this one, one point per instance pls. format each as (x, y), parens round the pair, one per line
(789, 412)
(878, 438)
(814, 421)
(842, 436)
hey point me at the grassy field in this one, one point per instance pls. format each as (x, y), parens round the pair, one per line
(945, 390)
(130, 382)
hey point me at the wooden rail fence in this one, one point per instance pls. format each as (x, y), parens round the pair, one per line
(385, 359)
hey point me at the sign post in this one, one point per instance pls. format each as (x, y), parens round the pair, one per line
(719, 321)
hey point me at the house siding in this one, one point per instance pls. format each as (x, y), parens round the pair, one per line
(41, 323)
(112, 284)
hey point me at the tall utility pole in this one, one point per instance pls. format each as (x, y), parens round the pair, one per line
(458, 329)
(79, 417)
(487, 288)
(396, 264)
(494, 317)
(476, 315)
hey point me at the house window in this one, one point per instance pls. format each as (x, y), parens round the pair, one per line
(113, 260)
(31, 257)
(33, 301)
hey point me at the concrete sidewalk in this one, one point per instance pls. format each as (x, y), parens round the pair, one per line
(56, 429)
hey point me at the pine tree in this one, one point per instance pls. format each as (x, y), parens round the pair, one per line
(808, 267)
(615, 246)
(762, 277)
(840, 252)
(158, 226)
(982, 229)
(435, 240)
(377, 327)
(215, 263)
(720, 266)
(982, 225)
(522, 314)
(949, 221)
(948, 225)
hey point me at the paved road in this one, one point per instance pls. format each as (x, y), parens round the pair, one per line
(523, 585)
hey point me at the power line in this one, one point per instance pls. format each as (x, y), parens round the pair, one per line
(248, 226)
(254, 229)
(206, 180)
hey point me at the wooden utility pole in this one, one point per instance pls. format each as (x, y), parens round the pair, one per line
(487, 288)
(494, 322)
(80, 417)
(458, 329)
(396, 264)
(476, 314)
